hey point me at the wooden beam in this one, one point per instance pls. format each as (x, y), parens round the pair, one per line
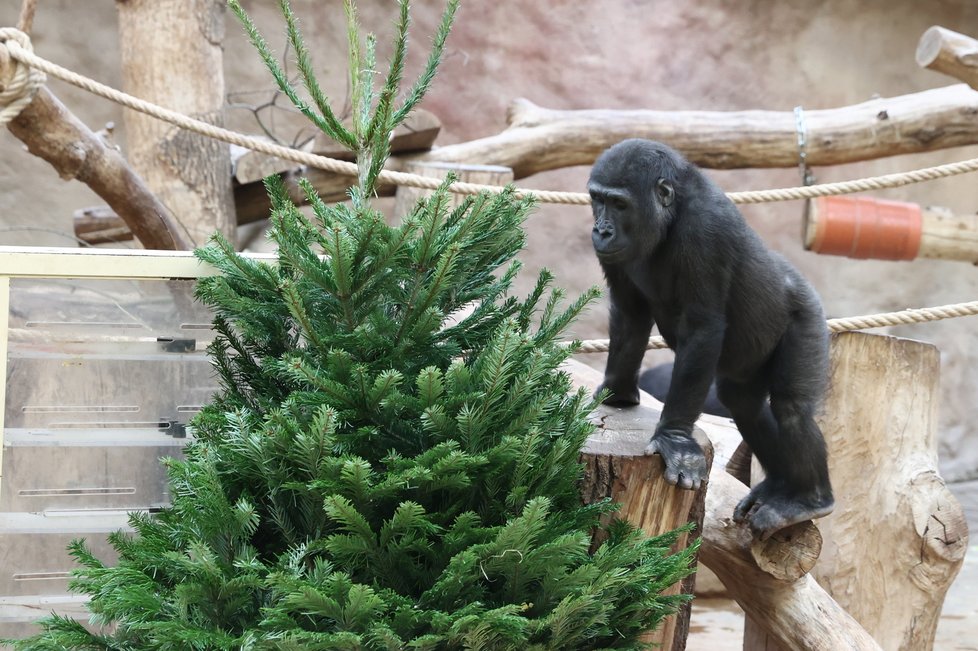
(541, 139)
(950, 53)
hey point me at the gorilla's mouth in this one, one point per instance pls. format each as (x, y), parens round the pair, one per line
(610, 255)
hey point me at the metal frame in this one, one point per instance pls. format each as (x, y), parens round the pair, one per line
(109, 264)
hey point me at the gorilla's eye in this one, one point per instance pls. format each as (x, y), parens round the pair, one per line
(619, 204)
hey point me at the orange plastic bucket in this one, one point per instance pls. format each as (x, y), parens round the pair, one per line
(863, 227)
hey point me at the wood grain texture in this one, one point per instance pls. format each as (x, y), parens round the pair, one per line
(171, 55)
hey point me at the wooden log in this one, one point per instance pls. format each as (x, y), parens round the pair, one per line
(539, 139)
(865, 227)
(615, 466)
(172, 55)
(406, 196)
(795, 613)
(950, 53)
(898, 537)
(53, 133)
(792, 607)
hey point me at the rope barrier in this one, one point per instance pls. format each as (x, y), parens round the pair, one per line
(18, 48)
(866, 322)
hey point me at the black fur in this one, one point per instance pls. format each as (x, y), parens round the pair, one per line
(676, 252)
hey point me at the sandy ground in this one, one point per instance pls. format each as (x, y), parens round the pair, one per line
(718, 624)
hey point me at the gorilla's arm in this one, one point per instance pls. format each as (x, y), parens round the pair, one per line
(699, 341)
(629, 329)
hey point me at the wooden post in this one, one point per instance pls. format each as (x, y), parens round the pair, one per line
(767, 580)
(951, 53)
(615, 466)
(172, 56)
(407, 196)
(898, 537)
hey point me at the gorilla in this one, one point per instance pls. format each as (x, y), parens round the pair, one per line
(676, 252)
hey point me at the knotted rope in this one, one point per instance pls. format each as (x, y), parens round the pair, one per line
(18, 81)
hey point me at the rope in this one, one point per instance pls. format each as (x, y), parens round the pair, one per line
(18, 82)
(903, 317)
(18, 48)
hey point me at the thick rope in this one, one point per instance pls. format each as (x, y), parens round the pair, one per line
(19, 49)
(903, 317)
(17, 88)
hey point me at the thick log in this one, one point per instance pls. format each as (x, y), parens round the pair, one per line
(615, 466)
(541, 139)
(899, 537)
(792, 607)
(950, 53)
(53, 133)
(172, 55)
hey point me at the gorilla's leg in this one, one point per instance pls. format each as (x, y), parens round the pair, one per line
(784, 435)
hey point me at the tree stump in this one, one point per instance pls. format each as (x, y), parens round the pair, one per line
(898, 537)
(615, 466)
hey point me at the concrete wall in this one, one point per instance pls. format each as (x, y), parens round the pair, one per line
(703, 54)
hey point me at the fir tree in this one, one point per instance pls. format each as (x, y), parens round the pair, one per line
(373, 474)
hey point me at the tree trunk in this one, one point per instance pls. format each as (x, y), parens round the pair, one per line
(172, 56)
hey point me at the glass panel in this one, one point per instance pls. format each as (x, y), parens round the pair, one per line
(102, 378)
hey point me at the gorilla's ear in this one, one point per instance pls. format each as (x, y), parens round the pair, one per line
(665, 192)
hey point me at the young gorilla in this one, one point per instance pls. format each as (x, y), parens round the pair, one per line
(677, 253)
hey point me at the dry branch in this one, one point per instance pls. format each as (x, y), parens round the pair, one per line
(951, 53)
(53, 133)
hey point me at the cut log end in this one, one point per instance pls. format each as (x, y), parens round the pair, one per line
(790, 553)
(929, 47)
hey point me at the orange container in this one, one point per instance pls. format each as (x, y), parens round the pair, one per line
(863, 227)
